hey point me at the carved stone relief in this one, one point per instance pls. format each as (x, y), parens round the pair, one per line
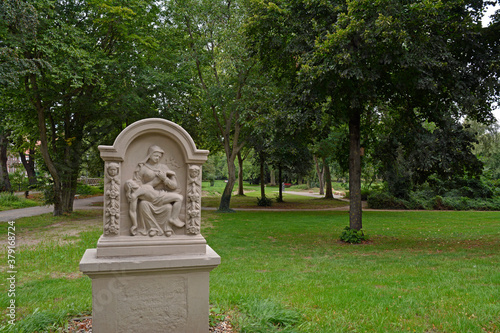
(154, 204)
(112, 195)
(194, 200)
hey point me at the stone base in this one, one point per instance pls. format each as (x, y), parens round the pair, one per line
(126, 246)
(150, 293)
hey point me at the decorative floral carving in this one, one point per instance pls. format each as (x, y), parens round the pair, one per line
(194, 200)
(112, 197)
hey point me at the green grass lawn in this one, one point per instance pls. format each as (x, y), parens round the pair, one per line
(252, 192)
(287, 271)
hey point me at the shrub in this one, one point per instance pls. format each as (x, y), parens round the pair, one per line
(384, 200)
(264, 202)
(365, 193)
(8, 198)
(84, 189)
(353, 236)
(299, 187)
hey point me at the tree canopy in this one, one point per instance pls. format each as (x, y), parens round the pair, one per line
(394, 77)
(428, 60)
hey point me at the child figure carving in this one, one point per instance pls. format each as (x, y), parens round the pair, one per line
(154, 207)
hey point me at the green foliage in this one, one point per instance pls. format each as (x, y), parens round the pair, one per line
(365, 193)
(384, 200)
(13, 201)
(84, 189)
(215, 316)
(43, 321)
(353, 236)
(412, 153)
(299, 187)
(215, 167)
(279, 199)
(427, 200)
(265, 315)
(18, 180)
(86, 82)
(264, 202)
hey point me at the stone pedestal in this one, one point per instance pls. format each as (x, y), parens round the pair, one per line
(150, 270)
(150, 294)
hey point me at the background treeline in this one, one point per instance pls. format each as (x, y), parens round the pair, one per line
(391, 94)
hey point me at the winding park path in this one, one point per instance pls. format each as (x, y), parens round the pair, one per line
(14, 214)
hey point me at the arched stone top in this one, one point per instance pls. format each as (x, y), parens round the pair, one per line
(160, 126)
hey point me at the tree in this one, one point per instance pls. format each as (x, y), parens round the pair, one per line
(411, 153)
(241, 159)
(426, 59)
(18, 22)
(4, 174)
(88, 58)
(225, 74)
(487, 148)
(289, 153)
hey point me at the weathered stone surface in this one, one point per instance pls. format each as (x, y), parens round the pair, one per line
(150, 270)
(152, 188)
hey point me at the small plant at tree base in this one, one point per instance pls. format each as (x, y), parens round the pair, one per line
(353, 236)
(264, 202)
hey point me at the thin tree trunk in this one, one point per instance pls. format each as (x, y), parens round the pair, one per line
(273, 177)
(355, 213)
(44, 144)
(240, 174)
(262, 177)
(29, 166)
(328, 180)
(4, 172)
(280, 180)
(68, 193)
(320, 173)
(225, 199)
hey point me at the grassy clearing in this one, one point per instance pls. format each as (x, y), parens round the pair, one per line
(49, 286)
(287, 272)
(252, 192)
(423, 271)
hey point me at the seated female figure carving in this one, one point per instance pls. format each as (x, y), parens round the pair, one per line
(153, 209)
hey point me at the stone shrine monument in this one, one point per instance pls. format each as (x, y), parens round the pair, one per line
(150, 270)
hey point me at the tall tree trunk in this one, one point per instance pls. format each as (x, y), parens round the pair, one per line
(355, 213)
(273, 177)
(225, 199)
(320, 173)
(280, 180)
(29, 166)
(4, 172)
(68, 193)
(262, 177)
(328, 180)
(240, 174)
(44, 144)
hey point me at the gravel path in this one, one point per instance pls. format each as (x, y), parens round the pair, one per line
(12, 215)
(84, 325)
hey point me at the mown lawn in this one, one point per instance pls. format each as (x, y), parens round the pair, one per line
(212, 195)
(287, 272)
